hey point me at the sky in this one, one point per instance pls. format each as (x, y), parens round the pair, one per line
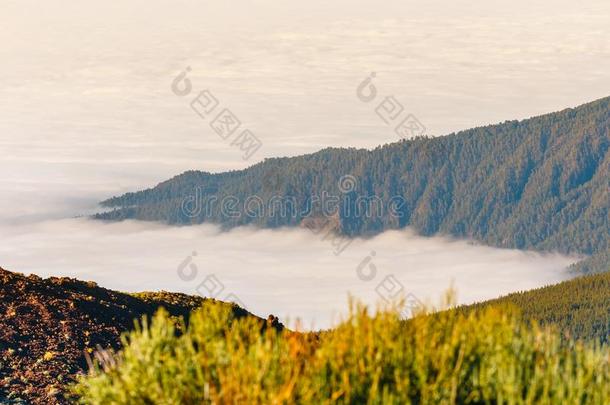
(88, 111)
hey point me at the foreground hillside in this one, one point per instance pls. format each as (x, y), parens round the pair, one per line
(47, 325)
(541, 183)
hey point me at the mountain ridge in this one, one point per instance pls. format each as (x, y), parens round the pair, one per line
(540, 183)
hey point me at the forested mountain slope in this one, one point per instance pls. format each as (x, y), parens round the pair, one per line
(540, 183)
(579, 308)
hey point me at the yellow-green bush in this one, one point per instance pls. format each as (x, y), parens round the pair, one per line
(484, 357)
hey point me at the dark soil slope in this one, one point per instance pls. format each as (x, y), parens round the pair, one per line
(47, 325)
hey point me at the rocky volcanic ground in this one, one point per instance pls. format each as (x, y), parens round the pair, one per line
(47, 326)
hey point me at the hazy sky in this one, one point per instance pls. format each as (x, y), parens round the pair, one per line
(87, 111)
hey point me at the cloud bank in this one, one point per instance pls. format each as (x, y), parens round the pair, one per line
(291, 273)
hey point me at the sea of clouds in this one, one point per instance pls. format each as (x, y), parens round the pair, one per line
(291, 273)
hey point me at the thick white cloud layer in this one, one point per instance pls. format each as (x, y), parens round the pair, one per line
(289, 272)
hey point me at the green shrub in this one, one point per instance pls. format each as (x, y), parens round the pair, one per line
(483, 357)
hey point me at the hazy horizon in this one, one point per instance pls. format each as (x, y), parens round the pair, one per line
(88, 112)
